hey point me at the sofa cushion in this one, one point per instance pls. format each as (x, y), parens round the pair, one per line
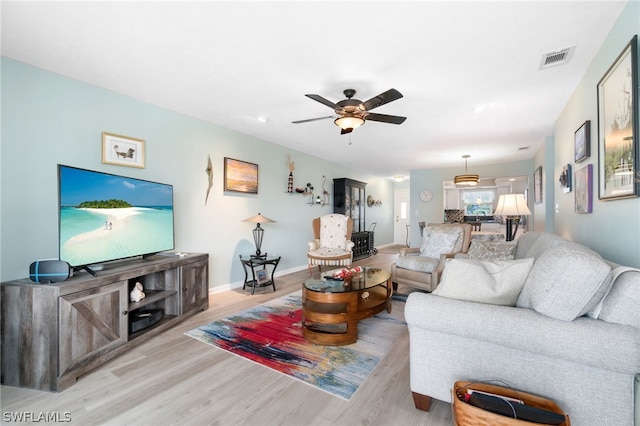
(497, 282)
(439, 243)
(565, 282)
(328, 252)
(524, 243)
(333, 231)
(417, 263)
(492, 250)
(430, 231)
(534, 245)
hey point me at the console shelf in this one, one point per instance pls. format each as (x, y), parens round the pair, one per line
(53, 333)
(151, 296)
(162, 324)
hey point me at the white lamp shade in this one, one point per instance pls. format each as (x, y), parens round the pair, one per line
(258, 219)
(512, 205)
(349, 122)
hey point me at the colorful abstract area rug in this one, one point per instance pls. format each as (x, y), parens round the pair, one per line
(270, 335)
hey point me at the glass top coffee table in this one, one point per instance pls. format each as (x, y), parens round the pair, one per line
(332, 308)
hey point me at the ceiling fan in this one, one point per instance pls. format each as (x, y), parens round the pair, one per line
(353, 113)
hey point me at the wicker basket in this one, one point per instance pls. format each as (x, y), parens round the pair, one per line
(465, 414)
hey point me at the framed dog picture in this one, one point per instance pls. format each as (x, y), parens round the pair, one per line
(122, 150)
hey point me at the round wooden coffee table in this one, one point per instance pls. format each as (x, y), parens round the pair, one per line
(331, 308)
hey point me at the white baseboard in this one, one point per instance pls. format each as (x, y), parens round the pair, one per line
(238, 284)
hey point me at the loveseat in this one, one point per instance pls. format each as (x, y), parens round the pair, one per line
(571, 333)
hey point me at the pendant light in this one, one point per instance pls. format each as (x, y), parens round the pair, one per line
(466, 179)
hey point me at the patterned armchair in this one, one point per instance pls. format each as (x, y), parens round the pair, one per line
(332, 242)
(421, 267)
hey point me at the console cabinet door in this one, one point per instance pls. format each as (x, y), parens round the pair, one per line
(195, 286)
(92, 323)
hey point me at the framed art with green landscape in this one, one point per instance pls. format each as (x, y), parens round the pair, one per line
(618, 127)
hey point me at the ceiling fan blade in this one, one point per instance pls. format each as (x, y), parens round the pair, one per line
(313, 119)
(383, 98)
(393, 119)
(324, 101)
(345, 131)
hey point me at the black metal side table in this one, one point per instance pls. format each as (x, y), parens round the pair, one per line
(262, 268)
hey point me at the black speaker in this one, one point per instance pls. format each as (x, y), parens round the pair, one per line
(49, 271)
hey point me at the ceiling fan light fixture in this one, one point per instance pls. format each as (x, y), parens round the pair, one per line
(466, 179)
(348, 122)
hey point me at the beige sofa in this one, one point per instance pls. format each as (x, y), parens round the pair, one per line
(421, 267)
(571, 334)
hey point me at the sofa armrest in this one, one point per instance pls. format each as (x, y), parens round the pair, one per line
(408, 250)
(584, 340)
(437, 271)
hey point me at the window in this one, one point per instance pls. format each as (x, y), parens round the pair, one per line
(478, 202)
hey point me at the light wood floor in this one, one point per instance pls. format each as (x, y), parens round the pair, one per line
(174, 379)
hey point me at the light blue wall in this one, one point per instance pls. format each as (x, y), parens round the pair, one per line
(613, 229)
(433, 211)
(49, 119)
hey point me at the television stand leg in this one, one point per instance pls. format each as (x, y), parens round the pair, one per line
(89, 270)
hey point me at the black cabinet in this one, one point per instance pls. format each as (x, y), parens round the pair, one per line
(361, 245)
(349, 198)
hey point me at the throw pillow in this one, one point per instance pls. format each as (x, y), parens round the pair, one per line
(430, 231)
(417, 263)
(438, 244)
(496, 282)
(490, 250)
(566, 281)
(333, 231)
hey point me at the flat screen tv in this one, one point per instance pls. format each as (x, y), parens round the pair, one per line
(105, 217)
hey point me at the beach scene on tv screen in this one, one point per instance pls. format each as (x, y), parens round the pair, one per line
(106, 217)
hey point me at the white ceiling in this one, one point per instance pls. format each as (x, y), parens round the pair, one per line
(231, 62)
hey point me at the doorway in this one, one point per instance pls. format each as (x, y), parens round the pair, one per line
(401, 210)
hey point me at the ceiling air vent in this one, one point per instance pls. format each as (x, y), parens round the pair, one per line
(557, 57)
